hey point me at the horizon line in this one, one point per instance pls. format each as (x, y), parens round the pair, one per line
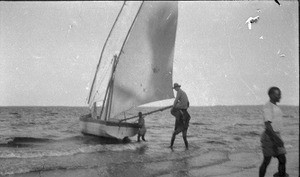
(147, 106)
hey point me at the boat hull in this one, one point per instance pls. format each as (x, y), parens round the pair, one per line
(109, 129)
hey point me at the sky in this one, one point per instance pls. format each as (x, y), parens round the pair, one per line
(49, 51)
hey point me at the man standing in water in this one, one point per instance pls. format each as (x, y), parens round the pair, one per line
(271, 142)
(142, 129)
(179, 110)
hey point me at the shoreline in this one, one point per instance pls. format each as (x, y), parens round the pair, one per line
(213, 163)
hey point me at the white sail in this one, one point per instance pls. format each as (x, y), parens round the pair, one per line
(144, 69)
(113, 44)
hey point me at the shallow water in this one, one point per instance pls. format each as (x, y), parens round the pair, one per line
(47, 138)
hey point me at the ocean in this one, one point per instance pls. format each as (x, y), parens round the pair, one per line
(43, 139)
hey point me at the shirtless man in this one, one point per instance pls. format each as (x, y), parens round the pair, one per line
(142, 130)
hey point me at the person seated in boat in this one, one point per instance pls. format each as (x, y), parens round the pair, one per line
(142, 129)
(179, 111)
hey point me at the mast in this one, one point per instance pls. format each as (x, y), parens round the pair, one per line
(97, 68)
(108, 95)
(109, 89)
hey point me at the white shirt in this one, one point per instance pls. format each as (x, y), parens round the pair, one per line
(273, 114)
(181, 100)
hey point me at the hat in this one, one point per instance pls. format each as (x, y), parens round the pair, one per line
(176, 85)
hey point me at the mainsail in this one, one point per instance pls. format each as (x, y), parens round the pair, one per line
(113, 44)
(144, 33)
(144, 69)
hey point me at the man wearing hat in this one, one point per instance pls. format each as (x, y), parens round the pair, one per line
(179, 110)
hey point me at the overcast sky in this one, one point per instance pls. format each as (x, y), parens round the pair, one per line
(49, 51)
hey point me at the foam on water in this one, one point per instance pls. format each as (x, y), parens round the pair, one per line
(25, 148)
(5, 140)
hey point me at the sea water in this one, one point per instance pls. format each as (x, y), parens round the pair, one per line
(49, 138)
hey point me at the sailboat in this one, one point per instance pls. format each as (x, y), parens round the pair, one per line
(135, 67)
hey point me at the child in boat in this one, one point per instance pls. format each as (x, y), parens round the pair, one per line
(142, 129)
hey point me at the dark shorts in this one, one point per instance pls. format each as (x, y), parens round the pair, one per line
(269, 148)
(182, 120)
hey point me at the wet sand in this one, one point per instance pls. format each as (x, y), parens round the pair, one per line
(194, 164)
